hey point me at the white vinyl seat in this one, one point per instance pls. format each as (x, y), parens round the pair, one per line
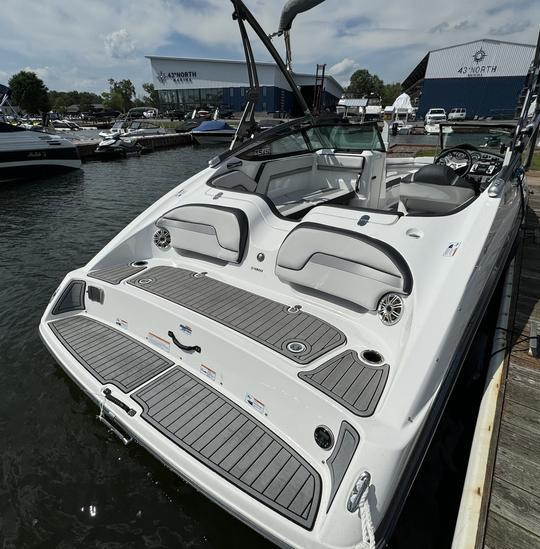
(214, 231)
(342, 263)
(434, 189)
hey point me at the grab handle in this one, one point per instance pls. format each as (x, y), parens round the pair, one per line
(195, 348)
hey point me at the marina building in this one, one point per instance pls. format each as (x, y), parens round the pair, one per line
(188, 83)
(486, 77)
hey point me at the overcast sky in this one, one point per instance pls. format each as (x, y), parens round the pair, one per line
(79, 44)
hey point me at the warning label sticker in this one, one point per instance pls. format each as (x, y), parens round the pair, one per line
(208, 372)
(122, 323)
(255, 403)
(159, 342)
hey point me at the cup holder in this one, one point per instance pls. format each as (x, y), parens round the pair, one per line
(140, 263)
(372, 357)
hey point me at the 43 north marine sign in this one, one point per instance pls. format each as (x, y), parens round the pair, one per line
(478, 67)
(485, 58)
(177, 77)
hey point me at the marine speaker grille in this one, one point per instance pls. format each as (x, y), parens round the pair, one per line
(162, 239)
(390, 309)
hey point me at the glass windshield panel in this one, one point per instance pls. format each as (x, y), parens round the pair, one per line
(290, 144)
(491, 139)
(345, 137)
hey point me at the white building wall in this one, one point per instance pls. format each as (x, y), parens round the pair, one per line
(170, 73)
(480, 59)
(174, 74)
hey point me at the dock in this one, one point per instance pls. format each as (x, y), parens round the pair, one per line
(506, 514)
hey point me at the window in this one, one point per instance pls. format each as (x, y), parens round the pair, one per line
(351, 138)
(290, 144)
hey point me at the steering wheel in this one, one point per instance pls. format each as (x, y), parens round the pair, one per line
(460, 160)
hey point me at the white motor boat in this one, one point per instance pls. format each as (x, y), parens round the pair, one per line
(213, 132)
(284, 328)
(65, 125)
(27, 154)
(132, 128)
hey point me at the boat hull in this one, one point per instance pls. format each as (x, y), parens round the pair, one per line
(213, 138)
(32, 169)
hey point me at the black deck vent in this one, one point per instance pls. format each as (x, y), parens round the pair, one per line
(71, 299)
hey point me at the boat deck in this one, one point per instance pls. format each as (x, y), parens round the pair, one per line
(197, 418)
(297, 335)
(511, 505)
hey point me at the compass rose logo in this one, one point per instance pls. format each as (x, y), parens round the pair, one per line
(162, 77)
(479, 56)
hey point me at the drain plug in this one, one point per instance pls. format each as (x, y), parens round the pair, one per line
(296, 347)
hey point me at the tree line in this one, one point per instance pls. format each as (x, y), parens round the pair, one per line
(363, 83)
(30, 94)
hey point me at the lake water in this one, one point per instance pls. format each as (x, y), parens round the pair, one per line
(65, 481)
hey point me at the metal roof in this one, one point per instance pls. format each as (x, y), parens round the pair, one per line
(353, 102)
(483, 40)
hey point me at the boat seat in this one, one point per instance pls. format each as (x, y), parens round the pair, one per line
(234, 180)
(214, 231)
(434, 188)
(342, 263)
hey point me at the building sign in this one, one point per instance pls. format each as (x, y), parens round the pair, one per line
(484, 58)
(182, 77)
(478, 68)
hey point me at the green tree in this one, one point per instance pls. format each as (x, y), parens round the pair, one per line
(390, 93)
(152, 98)
(29, 92)
(120, 95)
(60, 100)
(364, 83)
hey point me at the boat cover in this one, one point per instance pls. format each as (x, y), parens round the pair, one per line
(212, 126)
(403, 101)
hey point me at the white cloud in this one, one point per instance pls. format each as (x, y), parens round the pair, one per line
(119, 44)
(345, 66)
(85, 43)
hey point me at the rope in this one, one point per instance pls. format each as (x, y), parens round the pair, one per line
(364, 512)
(102, 400)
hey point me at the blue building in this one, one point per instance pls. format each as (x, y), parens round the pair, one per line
(485, 77)
(188, 83)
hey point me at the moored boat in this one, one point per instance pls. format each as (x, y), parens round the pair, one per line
(266, 328)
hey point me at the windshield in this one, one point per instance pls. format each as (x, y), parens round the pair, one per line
(290, 139)
(495, 139)
(374, 101)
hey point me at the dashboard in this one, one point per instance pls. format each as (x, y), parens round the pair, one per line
(471, 163)
(485, 164)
